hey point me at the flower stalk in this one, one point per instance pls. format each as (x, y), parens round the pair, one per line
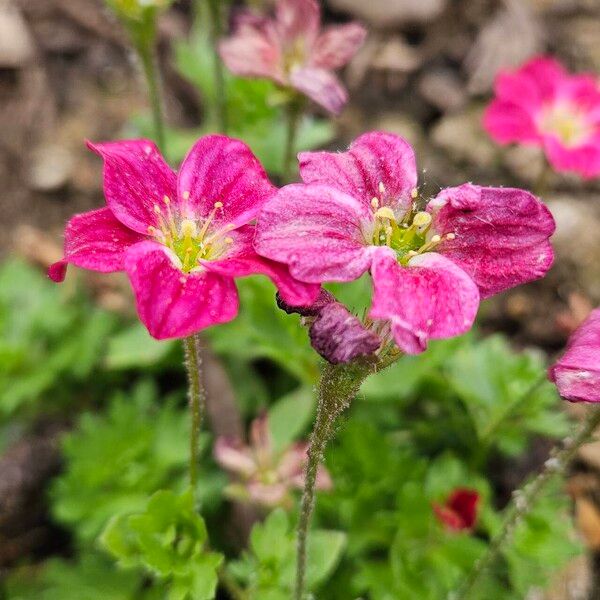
(525, 498)
(197, 400)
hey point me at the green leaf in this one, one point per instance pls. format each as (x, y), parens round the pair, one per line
(325, 550)
(135, 347)
(290, 416)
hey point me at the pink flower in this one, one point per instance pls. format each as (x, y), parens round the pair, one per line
(181, 238)
(541, 104)
(292, 50)
(459, 512)
(577, 373)
(359, 211)
(263, 475)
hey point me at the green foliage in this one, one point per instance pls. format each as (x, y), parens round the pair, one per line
(114, 460)
(268, 567)
(169, 540)
(51, 339)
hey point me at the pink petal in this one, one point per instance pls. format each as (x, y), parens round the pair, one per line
(337, 45)
(174, 304)
(506, 122)
(292, 461)
(242, 260)
(136, 178)
(267, 494)
(547, 73)
(321, 86)
(373, 159)
(95, 240)
(502, 234)
(318, 231)
(518, 89)
(222, 169)
(298, 19)
(261, 440)
(432, 298)
(583, 160)
(577, 372)
(254, 49)
(233, 456)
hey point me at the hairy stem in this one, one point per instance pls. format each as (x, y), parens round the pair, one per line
(216, 22)
(338, 386)
(525, 498)
(294, 113)
(149, 65)
(197, 400)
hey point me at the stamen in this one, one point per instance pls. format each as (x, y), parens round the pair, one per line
(436, 239)
(385, 212)
(451, 236)
(421, 221)
(170, 216)
(229, 240)
(210, 218)
(188, 230)
(414, 193)
(375, 203)
(381, 188)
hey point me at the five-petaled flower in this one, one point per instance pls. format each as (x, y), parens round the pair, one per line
(264, 475)
(181, 238)
(577, 373)
(293, 51)
(359, 211)
(459, 512)
(541, 104)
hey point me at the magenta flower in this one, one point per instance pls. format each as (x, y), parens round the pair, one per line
(577, 373)
(459, 512)
(359, 211)
(264, 476)
(181, 238)
(541, 104)
(292, 51)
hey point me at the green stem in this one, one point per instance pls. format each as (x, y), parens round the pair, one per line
(231, 586)
(197, 400)
(149, 65)
(338, 386)
(294, 112)
(525, 498)
(214, 9)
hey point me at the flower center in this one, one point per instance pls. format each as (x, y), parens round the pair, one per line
(409, 235)
(294, 54)
(188, 238)
(566, 122)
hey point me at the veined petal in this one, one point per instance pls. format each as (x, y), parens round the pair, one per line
(222, 169)
(577, 372)
(298, 19)
(254, 49)
(377, 165)
(174, 304)
(318, 231)
(95, 240)
(136, 179)
(337, 45)
(321, 86)
(242, 260)
(432, 298)
(501, 235)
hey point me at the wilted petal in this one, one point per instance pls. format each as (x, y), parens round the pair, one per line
(242, 260)
(136, 179)
(222, 169)
(337, 45)
(312, 310)
(174, 304)
(233, 456)
(254, 49)
(577, 372)
(501, 234)
(339, 336)
(321, 86)
(319, 232)
(432, 298)
(95, 240)
(377, 165)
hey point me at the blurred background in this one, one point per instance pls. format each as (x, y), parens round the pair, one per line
(78, 376)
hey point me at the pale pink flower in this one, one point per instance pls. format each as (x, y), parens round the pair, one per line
(263, 475)
(293, 51)
(182, 239)
(541, 104)
(359, 211)
(577, 373)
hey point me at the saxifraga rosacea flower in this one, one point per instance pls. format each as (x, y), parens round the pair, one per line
(182, 239)
(577, 373)
(541, 104)
(293, 51)
(430, 262)
(263, 475)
